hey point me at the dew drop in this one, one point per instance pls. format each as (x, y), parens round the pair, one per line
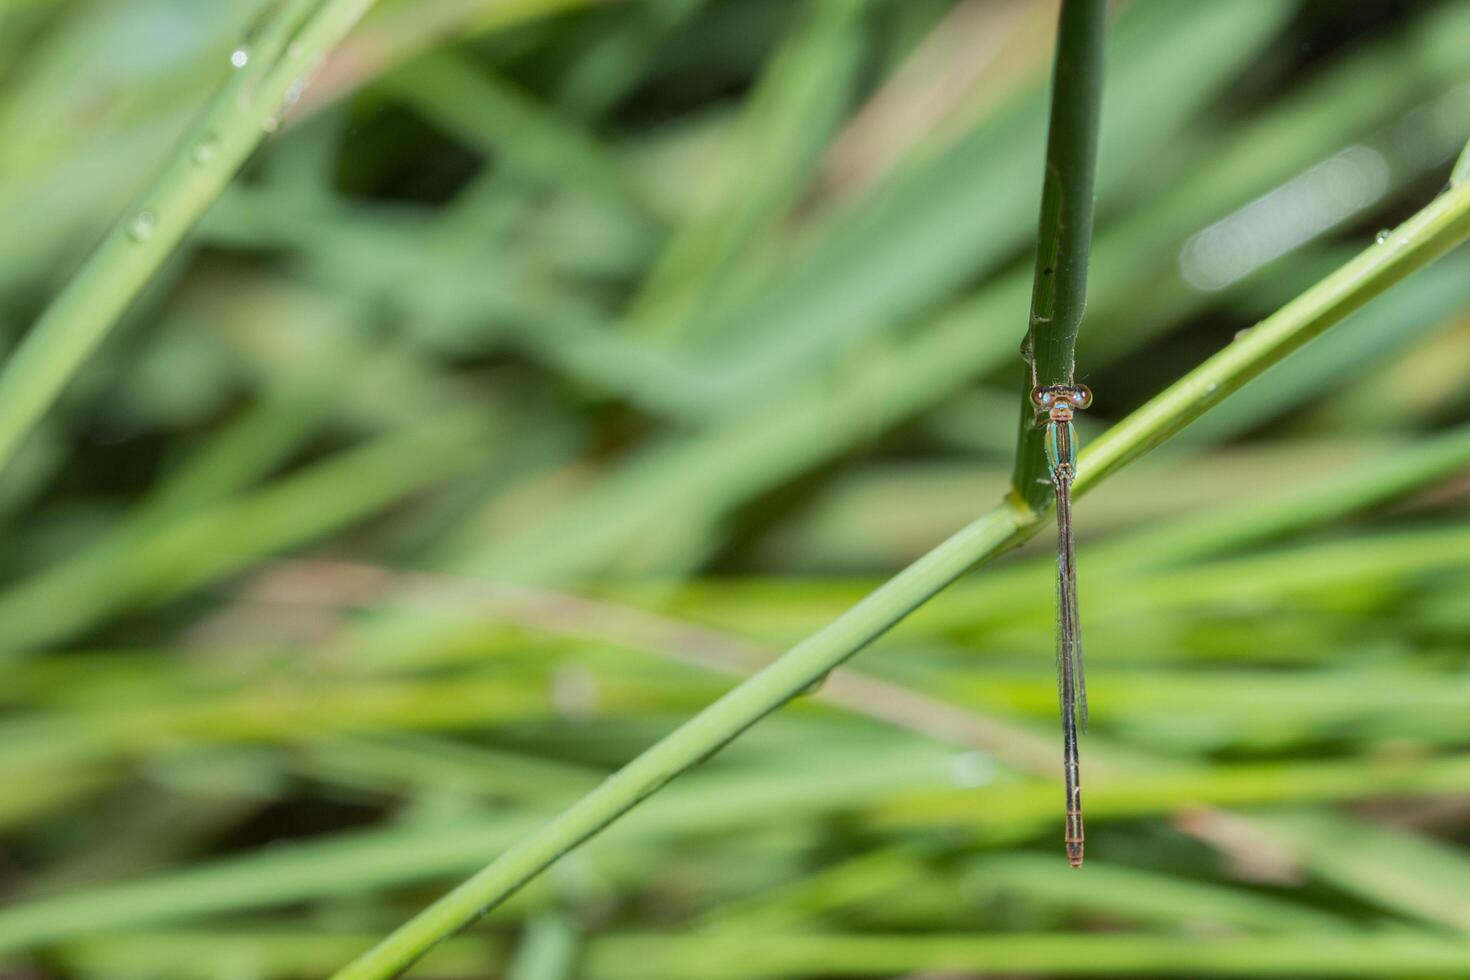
(240, 57)
(1382, 236)
(203, 151)
(140, 229)
(1242, 334)
(270, 124)
(814, 687)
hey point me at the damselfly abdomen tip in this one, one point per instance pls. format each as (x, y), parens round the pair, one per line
(1074, 838)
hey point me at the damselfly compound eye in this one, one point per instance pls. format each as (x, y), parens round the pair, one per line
(1045, 397)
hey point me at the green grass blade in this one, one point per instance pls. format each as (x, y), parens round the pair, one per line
(245, 109)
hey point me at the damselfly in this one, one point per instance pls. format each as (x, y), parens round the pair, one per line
(1058, 403)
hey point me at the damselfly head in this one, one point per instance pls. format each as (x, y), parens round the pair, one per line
(1058, 401)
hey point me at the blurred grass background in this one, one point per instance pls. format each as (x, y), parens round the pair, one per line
(556, 362)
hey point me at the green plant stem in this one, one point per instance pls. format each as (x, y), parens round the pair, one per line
(1064, 238)
(1379, 480)
(1255, 521)
(1460, 174)
(816, 955)
(709, 731)
(399, 32)
(799, 100)
(278, 57)
(1431, 232)
(1441, 225)
(895, 794)
(150, 562)
(529, 142)
(549, 951)
(1412, 874)
(283, 951)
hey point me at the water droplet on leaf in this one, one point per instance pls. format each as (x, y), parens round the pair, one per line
(1382, 236)
(240, 57)
(140, 229)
